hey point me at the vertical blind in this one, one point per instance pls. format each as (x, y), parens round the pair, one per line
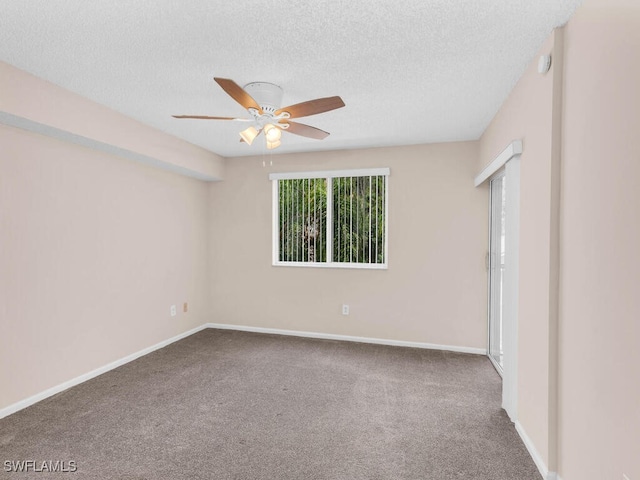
(303, 220)
(333, 219)
(359, 219)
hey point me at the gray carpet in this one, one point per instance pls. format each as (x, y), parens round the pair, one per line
(233, 405)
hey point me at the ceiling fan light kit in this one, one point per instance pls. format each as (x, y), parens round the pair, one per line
(272, 145)
(272, 133)
(262, 100)
(249, 134)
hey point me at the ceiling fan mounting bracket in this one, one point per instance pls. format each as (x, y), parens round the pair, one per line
(267, 95)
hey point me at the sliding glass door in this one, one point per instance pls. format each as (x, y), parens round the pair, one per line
(497, 243)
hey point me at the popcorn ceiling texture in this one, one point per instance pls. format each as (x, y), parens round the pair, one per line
(409, 71)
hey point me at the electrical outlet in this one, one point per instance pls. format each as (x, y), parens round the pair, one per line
(185, 307)
(345, 309)
(173, 311)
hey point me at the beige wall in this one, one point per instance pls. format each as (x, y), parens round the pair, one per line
(435, 288)
(527, 114)
(600, 248)
(579, 192)
(94, 250)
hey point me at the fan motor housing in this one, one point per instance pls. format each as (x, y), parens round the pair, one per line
(267, 95)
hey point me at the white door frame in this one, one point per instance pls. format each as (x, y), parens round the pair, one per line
(511, 281)
(510, 159)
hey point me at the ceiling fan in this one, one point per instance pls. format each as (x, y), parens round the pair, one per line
(262, 100)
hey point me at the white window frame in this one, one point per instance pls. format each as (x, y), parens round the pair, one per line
(329, 175)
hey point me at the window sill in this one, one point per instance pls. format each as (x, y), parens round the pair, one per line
(356, 266)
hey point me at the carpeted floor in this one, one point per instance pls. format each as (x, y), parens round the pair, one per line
(233, 405)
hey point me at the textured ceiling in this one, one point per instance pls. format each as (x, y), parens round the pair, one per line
(409, 71)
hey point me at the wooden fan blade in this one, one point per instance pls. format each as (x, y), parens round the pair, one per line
(236, 92)
(312, 107)
(305, 130)
(204, 117)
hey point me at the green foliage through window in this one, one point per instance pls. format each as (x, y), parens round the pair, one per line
(356, 222)
(358, 219)
(303, 220)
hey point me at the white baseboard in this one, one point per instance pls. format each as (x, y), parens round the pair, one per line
(535, 455)
(348, 338)
(327, 336)
(94, 373)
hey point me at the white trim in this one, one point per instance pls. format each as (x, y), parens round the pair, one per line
(535, 455)
(499, 370)
(49, 131)
(348, 338)
(22, 404)
(363, 172)
(511, 288)
(275, 223)
(94, 373)
(514, 148)
(364, 266)
(386, 220)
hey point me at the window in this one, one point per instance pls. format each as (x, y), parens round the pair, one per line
(331, 219)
